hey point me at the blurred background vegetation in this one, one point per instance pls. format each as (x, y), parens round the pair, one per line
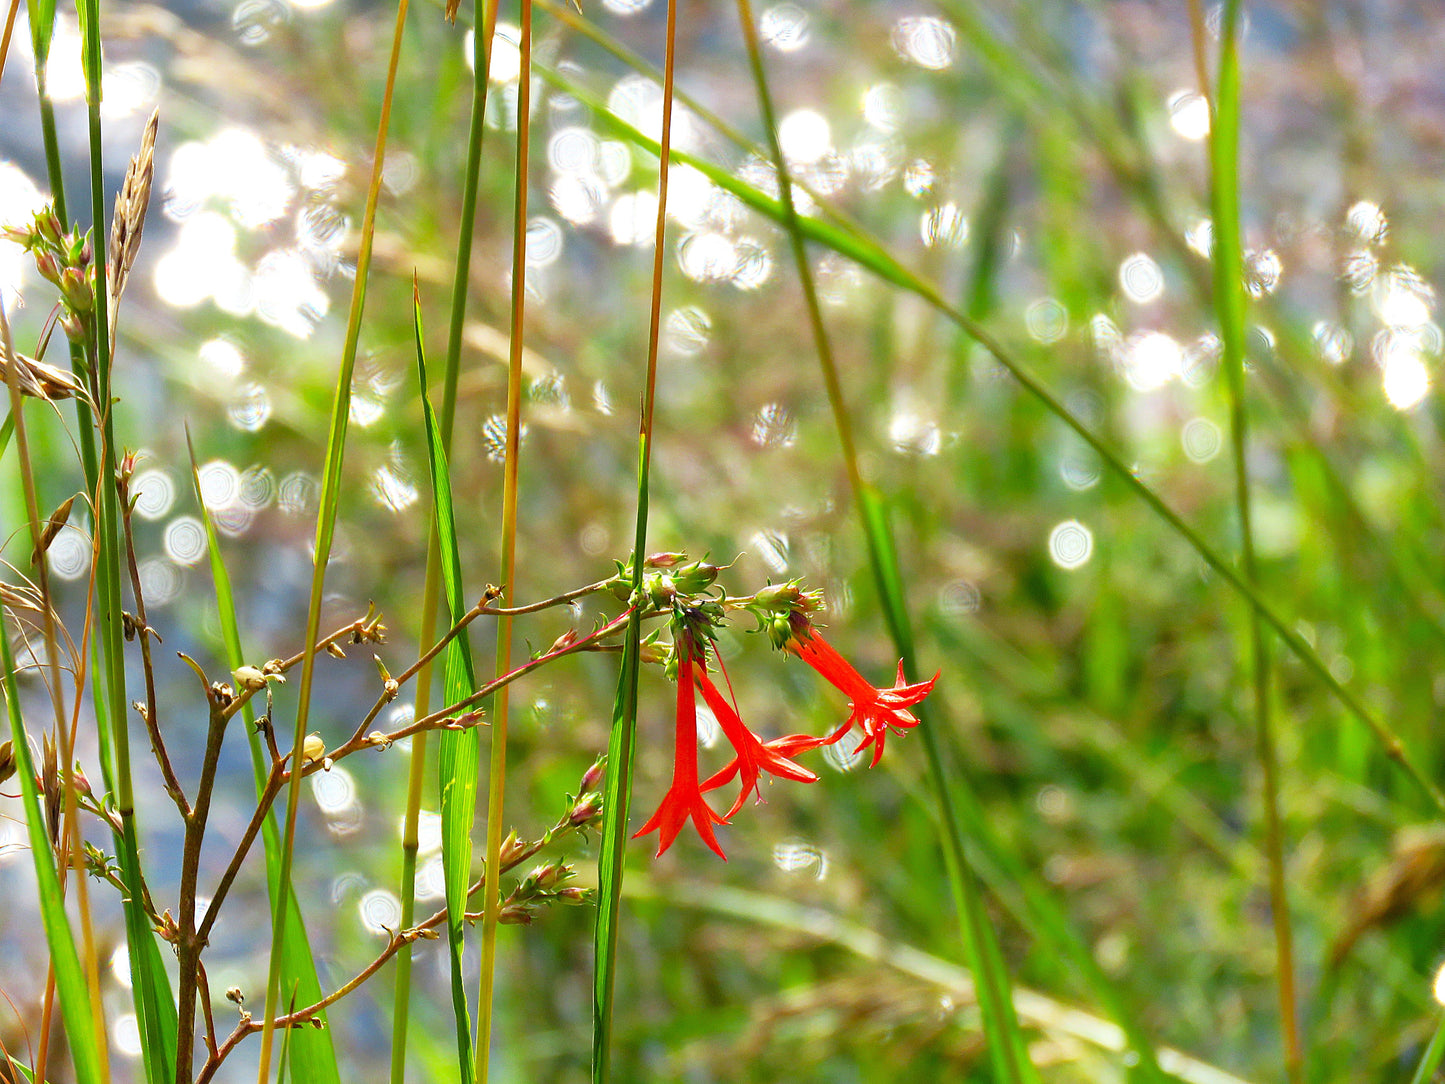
(1045, 165)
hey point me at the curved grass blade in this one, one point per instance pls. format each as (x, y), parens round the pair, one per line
(75, 1005)
(871, 255)
(1430, 1060)
(1007, 1048)
(459, 756)
(760, 909)
(313, 1053)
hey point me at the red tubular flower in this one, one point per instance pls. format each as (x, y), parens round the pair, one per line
(684, 798)
(754, 756)
(875, 710)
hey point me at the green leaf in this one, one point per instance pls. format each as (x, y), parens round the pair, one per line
(459, 755)
(312, 1050)
(75, 1002)
(42, 28)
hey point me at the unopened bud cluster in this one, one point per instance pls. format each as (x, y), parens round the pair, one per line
(64, 259)
(545, 885)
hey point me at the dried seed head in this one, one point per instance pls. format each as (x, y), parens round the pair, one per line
(130, 210)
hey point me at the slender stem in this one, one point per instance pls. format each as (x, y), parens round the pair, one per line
(437, 720)
(481, 68)
(396, 946)
(411, 821)
(143, 633)
(1230, 306)
(188, 945)
(623, 739)
(497, 767)
(325, 528)
(5, 36)
(68, 851)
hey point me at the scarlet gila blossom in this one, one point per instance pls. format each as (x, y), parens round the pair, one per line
(684, 799)
(873, 710)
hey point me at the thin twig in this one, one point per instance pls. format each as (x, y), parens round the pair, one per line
(143, 632)
(398, 941)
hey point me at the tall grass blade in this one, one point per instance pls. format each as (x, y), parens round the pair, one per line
(155, 1006)
(325, 530)
(622, 741)
(1007, 1048)
(41, 14)
(313, 1053)
(459, 756)
(431, 590)
(1229, 300)
(75, 1007)
(1430, 1060)
(511, 463)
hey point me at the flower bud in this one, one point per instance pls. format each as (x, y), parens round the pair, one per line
(47, 225)
(313, 749)
(47, 265)
(515, 914)
(586, 810)
(563, 642)
(695, 576)
(75, 288)
(593, 776)
(18, 235)
(73, 326)
(664, 560)
(511, 847)
(660, 589)
(249, 678)
(547, 877)
(778, 596)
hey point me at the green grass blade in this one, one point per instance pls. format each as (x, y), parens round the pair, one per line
(150, 987)
(1230, 302)
(511, 464)
(41, 14)
(616, 807)
(622, 741)
(75, 1005)
(459, 756)
(313, 1052)
(1008, 1048)
(325, 530)
(1430, 1060)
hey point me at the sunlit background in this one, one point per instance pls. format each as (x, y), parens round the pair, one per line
(1095, 674)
